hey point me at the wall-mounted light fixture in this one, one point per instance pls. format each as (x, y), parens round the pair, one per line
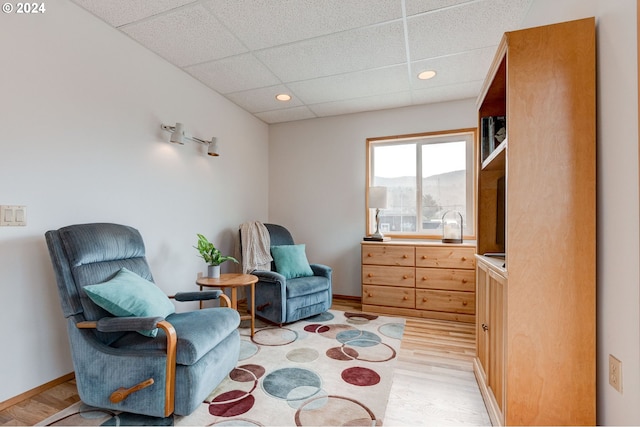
(178, 135)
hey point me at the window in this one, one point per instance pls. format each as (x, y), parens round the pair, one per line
(425, 175)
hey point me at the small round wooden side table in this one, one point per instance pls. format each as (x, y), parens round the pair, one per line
(234, 281)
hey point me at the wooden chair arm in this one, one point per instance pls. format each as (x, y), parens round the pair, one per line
(170, 385)
(87, 325)
(226, 300)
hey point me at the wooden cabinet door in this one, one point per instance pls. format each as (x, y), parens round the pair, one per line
(482, 321)
(496, 333)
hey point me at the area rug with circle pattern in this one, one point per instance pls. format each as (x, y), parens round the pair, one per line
(332, 369)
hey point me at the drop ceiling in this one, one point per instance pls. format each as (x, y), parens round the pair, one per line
(332, 56)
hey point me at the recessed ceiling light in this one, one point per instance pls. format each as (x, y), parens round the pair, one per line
(283, 97)
(426, 75)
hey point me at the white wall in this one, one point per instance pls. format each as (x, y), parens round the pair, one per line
(80, 113)
(317, 181)
(317, 176)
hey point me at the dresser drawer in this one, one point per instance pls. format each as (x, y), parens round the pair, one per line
(448, 301)
(388, 276)
(446, 278)
(446, 257)
(388, 255)
(388, 296)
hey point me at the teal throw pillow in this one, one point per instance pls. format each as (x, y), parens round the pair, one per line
(291, 261)
(129, 295)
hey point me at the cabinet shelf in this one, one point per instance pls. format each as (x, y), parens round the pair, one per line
(497, 159)
(496, 262)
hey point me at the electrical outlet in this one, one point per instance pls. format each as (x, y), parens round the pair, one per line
(615, 373)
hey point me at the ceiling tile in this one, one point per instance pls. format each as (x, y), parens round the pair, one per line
(368, 103)
(263, 99)
(332, 56)
(265, 23)
(447, 93)
(347, 51)
(415, 7)
(186, 36)
(463, 67)
(234, 74)
(476, 25)
(288, 115)
(120, 12)
(352, 85)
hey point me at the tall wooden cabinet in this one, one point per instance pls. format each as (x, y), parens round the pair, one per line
(536, 207)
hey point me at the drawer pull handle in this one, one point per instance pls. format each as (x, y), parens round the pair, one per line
(370, 275)
(424, 278)
(464, 303)
(424, 257)
(369, 255)
(464, 280)
(405, 298)
(464, 258)
(405, 277)
(424, 300)
(404, 256)
(370, 295)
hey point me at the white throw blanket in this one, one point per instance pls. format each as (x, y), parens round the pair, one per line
(256, 254)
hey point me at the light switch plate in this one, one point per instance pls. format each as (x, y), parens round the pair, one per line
(13, 215)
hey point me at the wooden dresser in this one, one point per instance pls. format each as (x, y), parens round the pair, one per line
(419, 279)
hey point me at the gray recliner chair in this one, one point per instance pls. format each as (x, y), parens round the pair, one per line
(116, 366)
(284, 300)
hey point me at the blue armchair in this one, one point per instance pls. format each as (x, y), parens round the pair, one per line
(116, 366)
(284, 300)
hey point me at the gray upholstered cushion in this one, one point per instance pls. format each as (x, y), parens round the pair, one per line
(193, 343)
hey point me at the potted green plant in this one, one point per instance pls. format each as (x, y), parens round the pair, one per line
(212, 256)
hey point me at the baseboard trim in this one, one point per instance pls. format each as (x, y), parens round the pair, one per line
(35, 391)
(348, 297)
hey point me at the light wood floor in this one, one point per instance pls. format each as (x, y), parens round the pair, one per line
(433, 382)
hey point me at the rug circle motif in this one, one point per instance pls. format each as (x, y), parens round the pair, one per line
(322, 317)
(330, 331)
(302, 355)
(358, 338)
(274, 336)
(247, 350)
(236, 402)
(300, 395)
(380, 352)
(392, 330)
(335, 410)
(237, 422)
(360, 376)
(297, 383)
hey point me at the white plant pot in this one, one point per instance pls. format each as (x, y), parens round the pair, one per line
(213, 271)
